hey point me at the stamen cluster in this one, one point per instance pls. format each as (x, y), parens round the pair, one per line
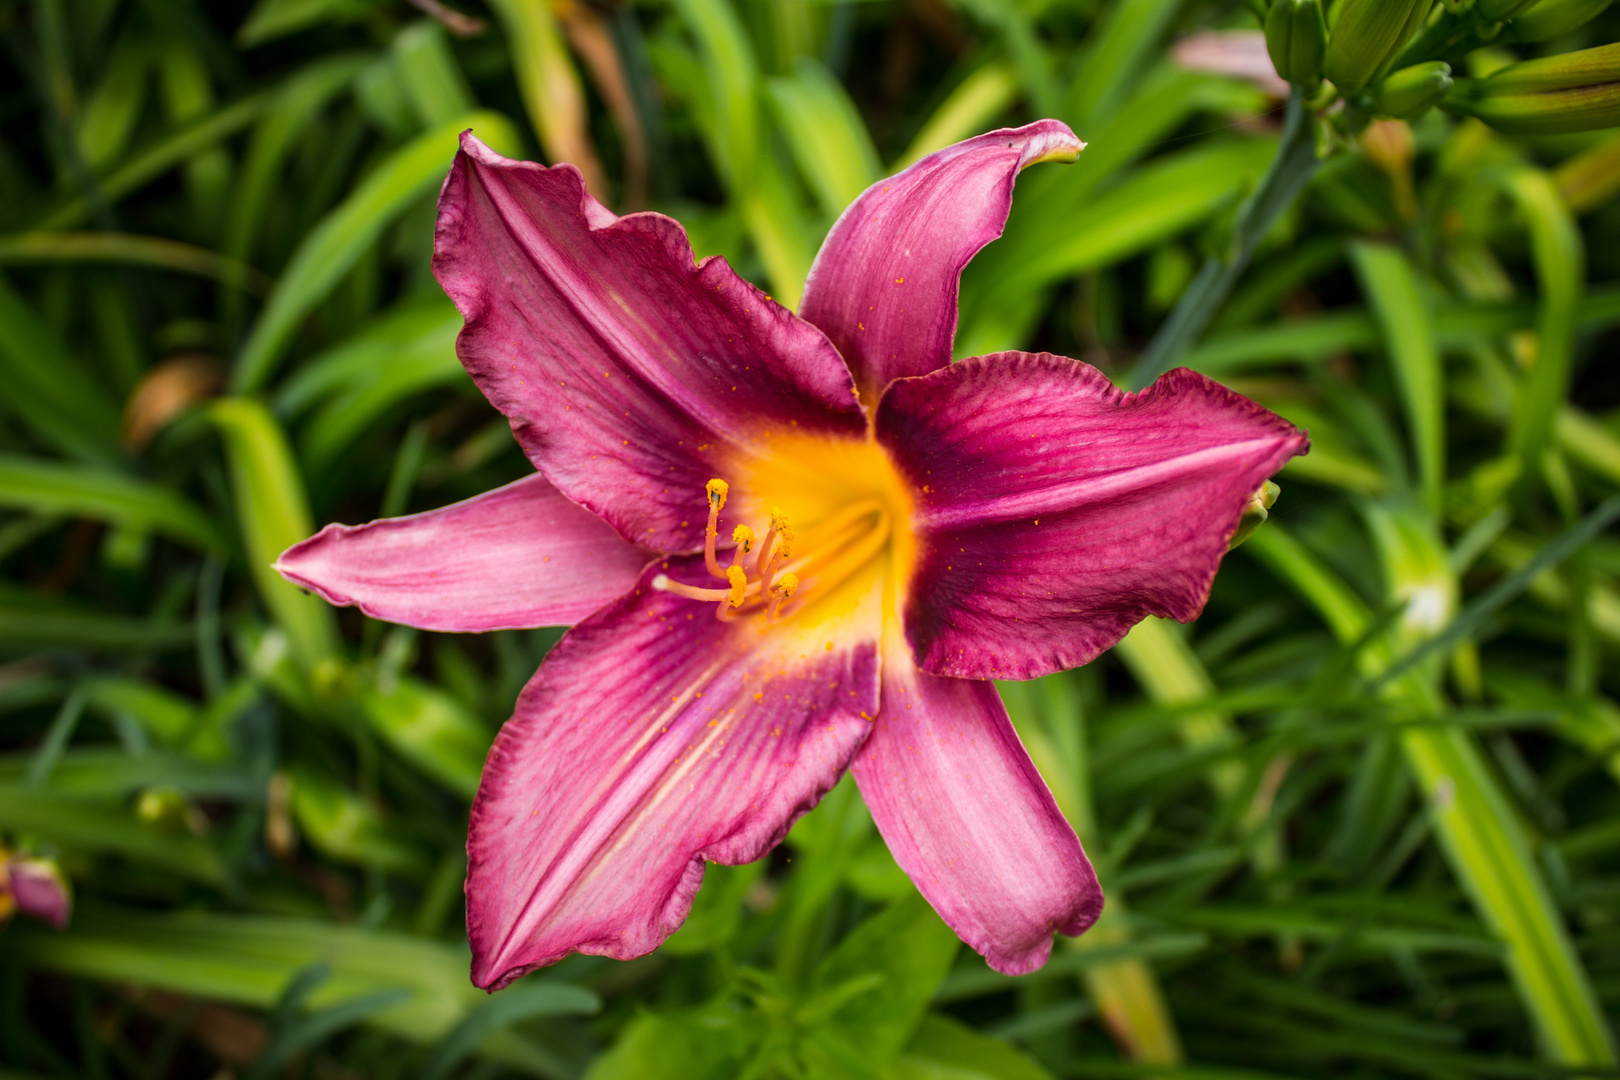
(770, 579)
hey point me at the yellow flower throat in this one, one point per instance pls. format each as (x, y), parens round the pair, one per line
(836, 523)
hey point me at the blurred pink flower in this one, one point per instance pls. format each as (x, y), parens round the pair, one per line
(34, 887)
(1238, 53)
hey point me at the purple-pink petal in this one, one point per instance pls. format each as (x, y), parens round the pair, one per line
(653, 737)
(40, 891)
(519, 556)
(968, 817)
(1054, 511)
(884, 285)
(631, 373)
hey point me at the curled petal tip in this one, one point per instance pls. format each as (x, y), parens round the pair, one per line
(1063, 154)
(1062, 149)
(1046, 140)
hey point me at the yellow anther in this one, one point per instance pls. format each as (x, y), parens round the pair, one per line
(743, 537)
(717, 490)
(739, 585)
(778, 519)
(784, 542)
(786, 586)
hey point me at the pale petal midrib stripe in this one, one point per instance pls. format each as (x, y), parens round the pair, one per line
(1059, 498)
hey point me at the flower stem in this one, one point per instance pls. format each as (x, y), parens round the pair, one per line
(1296, 162)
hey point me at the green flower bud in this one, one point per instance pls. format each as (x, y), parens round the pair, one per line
(1413, 91)
(1366, 37)
(1555, 18)
(1567, 71)
(1296, 38)
(1578, 91)
(1556, 112)
(1255, 513)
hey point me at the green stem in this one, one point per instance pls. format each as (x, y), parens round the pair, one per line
(1296, 162)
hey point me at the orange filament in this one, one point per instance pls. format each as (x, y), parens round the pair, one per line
(770, 542)
(664, 583)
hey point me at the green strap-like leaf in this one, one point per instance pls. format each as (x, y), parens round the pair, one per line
(528, 999)
(52, 488)
(1560, 261)
(1477, 827)
(49, 391)
(273, 514)
(334, 245)
(93, 824)
(1403, 317)
(166, 154)
(830, 144)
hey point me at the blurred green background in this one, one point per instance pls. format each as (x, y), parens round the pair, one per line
(1329, 849)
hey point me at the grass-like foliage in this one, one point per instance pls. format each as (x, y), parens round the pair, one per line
(1361, 819)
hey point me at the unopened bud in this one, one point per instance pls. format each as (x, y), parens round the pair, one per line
(1566, 71)
(1367, 35)
(1413, 91)
(1255, 513)
(1296, 39)
(1590, 108)
(1554, 18)
(1577, 91)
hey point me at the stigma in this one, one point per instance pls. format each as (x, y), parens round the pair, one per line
(776, 580)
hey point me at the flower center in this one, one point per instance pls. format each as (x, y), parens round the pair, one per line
(822, 525)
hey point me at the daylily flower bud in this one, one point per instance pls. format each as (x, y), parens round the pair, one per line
(1255, 513)
(1413, 91)
(1555, 18)
(1557, 113)
(1366, 37)
(1296, 39)
(1578, 91)
(1567, 71)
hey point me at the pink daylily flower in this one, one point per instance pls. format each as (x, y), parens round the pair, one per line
(34, 887)
(789, 546)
